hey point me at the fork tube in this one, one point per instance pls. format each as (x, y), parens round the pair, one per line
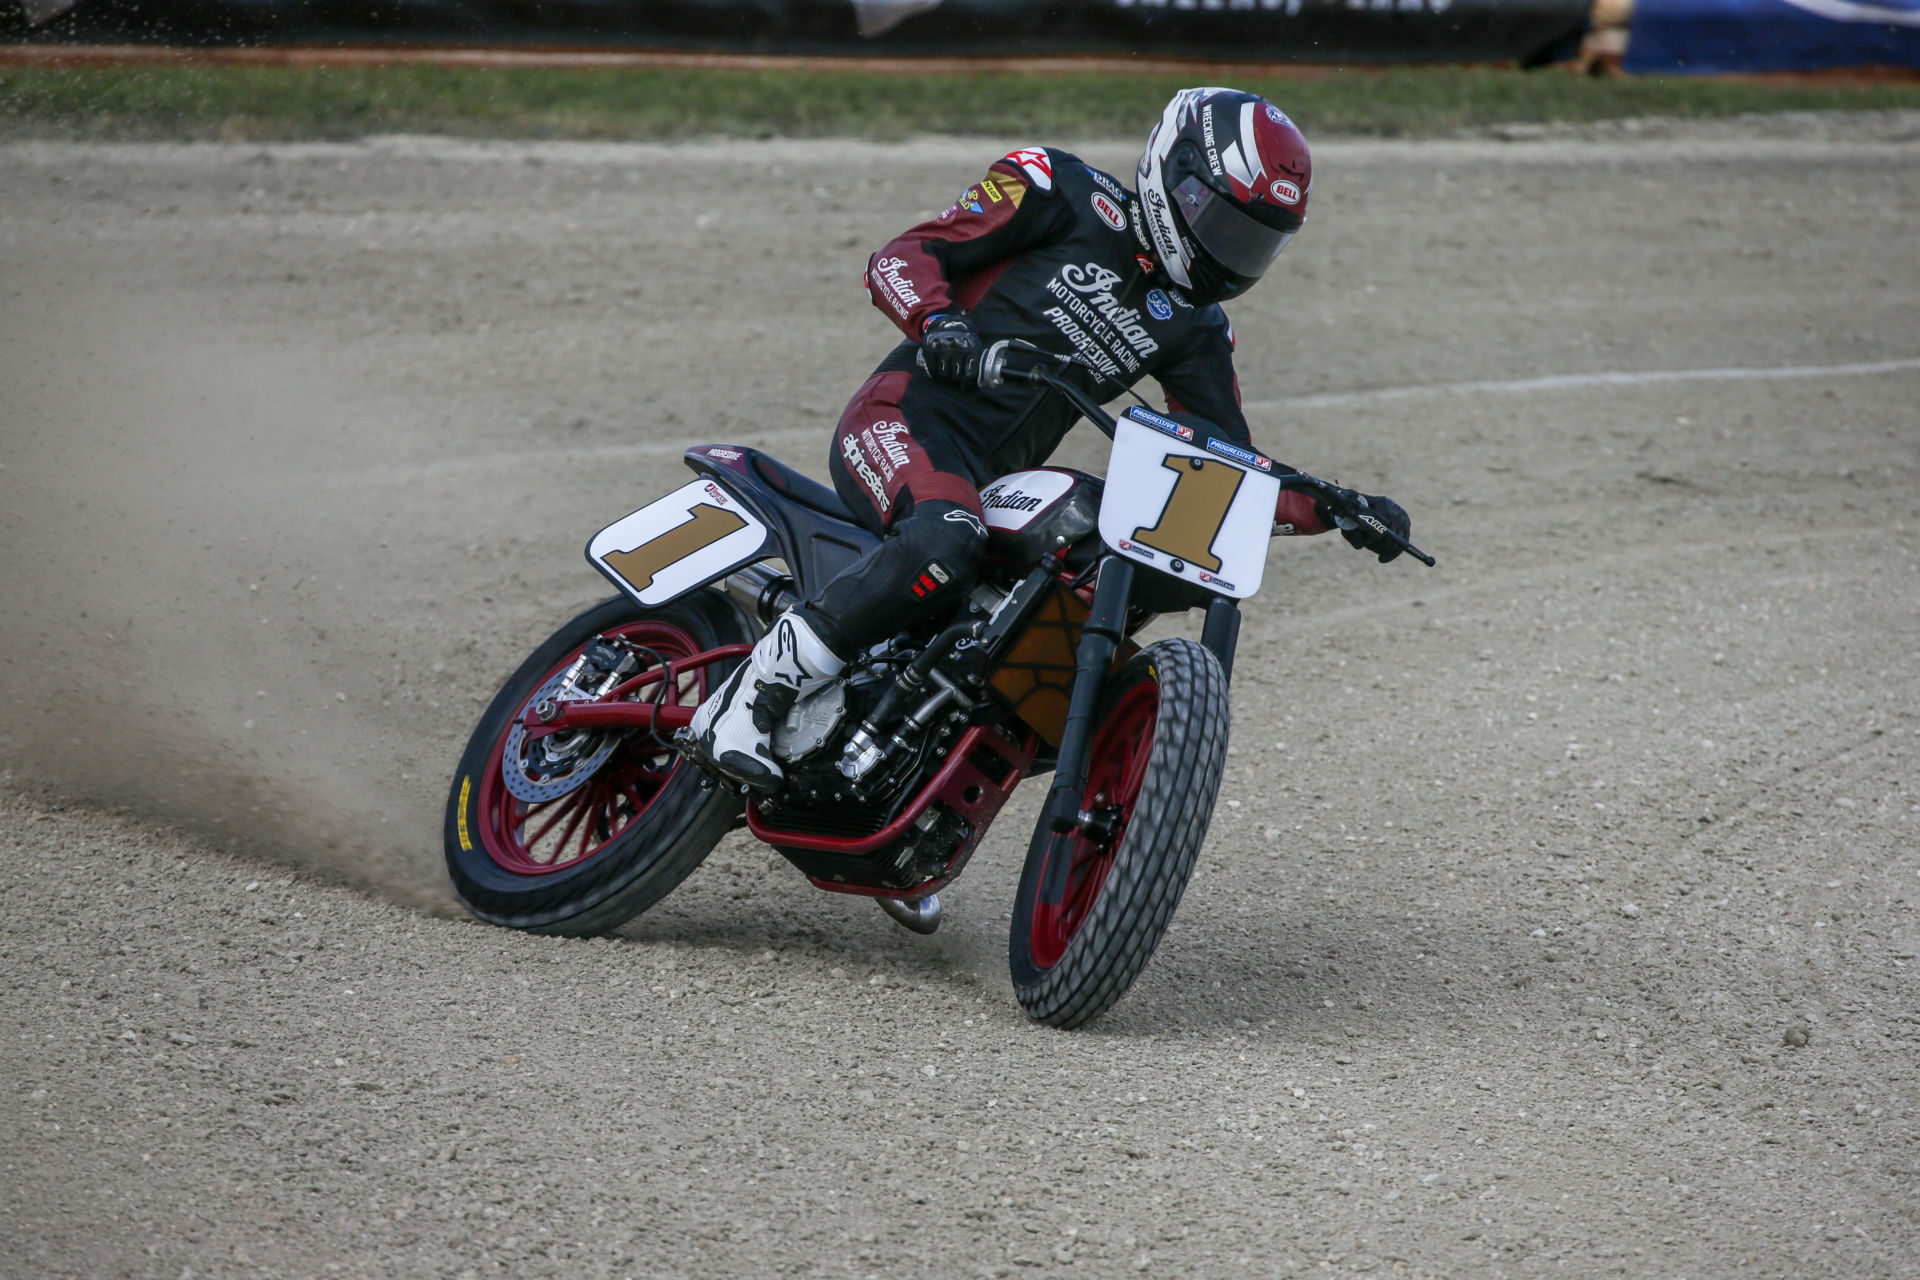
(1106, 624)
(1222, 631)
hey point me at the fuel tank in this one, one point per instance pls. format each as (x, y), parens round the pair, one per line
(1030, 513)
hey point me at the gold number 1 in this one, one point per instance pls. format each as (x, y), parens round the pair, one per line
(708, 526)
(1202, 493)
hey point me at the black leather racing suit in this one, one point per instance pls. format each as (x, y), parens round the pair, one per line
(1048, 249)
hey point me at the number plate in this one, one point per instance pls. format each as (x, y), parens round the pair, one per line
(1199, 511)
(685, 540)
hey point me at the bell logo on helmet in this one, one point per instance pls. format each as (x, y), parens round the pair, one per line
(1109, 212)
(1285, 192)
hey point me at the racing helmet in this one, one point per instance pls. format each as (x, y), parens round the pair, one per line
(1223, 186)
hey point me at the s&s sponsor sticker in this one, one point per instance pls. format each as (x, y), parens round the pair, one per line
(1157, 305)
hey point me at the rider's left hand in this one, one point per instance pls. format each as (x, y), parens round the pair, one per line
(950, 348)
(1363, 537)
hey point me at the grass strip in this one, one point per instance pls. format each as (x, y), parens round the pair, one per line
(201, 101)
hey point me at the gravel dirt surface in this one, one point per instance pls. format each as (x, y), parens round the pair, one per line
(1560, 912)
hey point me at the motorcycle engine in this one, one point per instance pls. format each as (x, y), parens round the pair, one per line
(811, 723)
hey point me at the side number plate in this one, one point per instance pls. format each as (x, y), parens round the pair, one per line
(1188, 511)
(685, 540)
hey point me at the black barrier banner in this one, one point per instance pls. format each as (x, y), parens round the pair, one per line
(1313, 31)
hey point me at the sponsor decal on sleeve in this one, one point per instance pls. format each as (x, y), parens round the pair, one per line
(970, 201)
(1109, 212)
(1157, 305)
(1245, 456)
(1034, 163)
(890, 277)
(991, 190)
(1114, 189)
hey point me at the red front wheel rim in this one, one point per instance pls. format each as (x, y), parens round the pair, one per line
(558, 835)
(1114, 776)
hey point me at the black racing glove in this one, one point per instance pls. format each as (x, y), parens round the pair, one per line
(1358, 528)
(950, 348)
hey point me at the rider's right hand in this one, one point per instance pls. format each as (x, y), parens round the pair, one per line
(950, 347)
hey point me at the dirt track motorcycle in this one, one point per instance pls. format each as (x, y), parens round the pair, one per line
(574, 810)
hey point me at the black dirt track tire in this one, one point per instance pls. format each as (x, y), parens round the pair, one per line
(1154, 856)
(641, 864)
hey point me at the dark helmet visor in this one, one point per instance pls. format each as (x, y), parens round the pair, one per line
(1231, 238)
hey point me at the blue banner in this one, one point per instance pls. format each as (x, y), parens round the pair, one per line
(1772, 35)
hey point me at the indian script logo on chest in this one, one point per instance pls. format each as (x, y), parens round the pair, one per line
(1107, 334)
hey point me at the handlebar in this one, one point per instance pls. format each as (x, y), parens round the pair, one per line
(1346, 504)
(1044, 371)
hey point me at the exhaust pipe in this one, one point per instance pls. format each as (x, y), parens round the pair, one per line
(922, 915)
(764, 592)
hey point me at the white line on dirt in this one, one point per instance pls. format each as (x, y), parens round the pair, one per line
(1575, 381)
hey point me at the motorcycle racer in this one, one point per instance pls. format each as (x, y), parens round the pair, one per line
(1049, 250)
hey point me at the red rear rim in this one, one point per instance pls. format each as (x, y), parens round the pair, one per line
(1114, 775)
(537, 839)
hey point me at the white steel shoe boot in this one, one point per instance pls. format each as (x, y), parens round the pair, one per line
(732, 730)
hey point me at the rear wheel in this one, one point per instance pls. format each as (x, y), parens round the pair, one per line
(577, 833)
(1158, 756)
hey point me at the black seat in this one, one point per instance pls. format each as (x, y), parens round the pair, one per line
(804, 490)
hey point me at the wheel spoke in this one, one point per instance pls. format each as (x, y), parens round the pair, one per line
(556, 810)
(536, 838)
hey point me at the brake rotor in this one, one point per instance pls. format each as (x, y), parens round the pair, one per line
(541, 769)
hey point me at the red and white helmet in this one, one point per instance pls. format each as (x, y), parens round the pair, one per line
(1223, 186)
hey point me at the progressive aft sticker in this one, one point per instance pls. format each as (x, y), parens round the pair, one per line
(685, 540)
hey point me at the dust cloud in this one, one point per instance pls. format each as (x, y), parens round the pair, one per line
(185, 632)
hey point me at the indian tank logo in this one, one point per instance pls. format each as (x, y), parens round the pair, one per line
(1285, 192)
(1157, 305)
(1275, 114)
(1109, 212)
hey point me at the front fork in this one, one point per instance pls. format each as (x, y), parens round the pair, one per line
(1105, 627)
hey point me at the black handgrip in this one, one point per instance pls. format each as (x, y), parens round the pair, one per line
(1341, 502)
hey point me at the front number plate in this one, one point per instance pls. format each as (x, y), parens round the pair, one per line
(685, 540)
(1189, 511)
